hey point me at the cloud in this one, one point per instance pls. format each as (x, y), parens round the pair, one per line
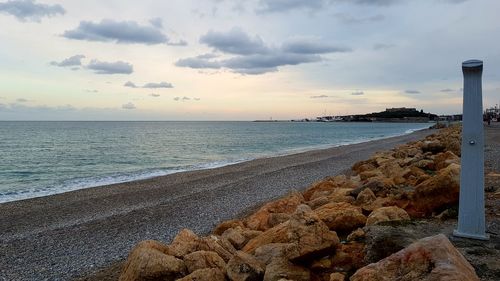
(28, 10)
(75, 60)
(184, 99)
(234, 41)
(128, 106)
(252, 56)
(349, 19)
(412, 92)
(22, 100)
(447, 90)
(158, 85)
(154, 95)
(91, 91)
(130, 84)
(156, 22)
(357, 93)
(118, 67)
(151, 85)
(311, 46)
(319, 97)
(122, 32)
(382, 46)
(273, 6)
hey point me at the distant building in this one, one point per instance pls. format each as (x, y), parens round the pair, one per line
(400, 109)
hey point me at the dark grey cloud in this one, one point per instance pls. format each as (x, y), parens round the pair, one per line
(28, 10)
(412, 92)
(273, 6)
(129, 106)
(123, 32)
(253, 56)
(199, 62)
(357, 93)
(151, 85)
(235, 41)
(71, 61)
(319, 97)
(118, 67)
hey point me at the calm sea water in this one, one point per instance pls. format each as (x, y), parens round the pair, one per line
(43, 158)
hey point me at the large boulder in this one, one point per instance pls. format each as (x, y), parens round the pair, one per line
(384, 240)
(149, 261)
(383, 214)
(443, 160)
(220, 245)
(431, 258)
(329, 185)
(267, 253)
(203, 259)
(282, 269)
(223, 226)
(341, 216)
(436, 193)
(206, 274)
(260, 219)
(184, 243)
(305, 229)
(245, 267)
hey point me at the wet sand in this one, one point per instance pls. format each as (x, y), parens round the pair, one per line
(64, 236)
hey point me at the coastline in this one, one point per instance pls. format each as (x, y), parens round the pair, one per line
(72, 234)
(119, 178)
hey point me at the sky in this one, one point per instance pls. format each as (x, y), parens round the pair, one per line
(240, 60)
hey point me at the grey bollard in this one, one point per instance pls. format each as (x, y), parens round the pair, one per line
(471, 216)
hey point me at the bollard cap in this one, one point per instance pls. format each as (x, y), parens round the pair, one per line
(472, 66)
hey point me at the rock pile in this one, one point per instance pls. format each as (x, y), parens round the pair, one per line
(319, 235)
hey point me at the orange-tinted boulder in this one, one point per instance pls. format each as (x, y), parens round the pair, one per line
(341, 216)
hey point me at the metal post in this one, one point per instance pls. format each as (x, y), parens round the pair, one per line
(471, 216)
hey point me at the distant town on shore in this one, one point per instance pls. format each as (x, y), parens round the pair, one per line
(396, 115)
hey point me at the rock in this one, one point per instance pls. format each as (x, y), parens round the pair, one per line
(260, 219)
(219, 229)
(184, 243)
(277, 218)
(365, 197)
(266, 253)
(148, 261)
(391, 213)
(235, 237)
(203, 259)
(341, 216)
(349, 257)
(431, 258)
(318, 202)
(220, 245)
(380, 185)
(384, 240)
(356, 235)
(283, 269)
(370, 174)
(305, 229)
(329, 185)
(244, 267)
(337, 277)
(206, 274)
(363, 166)
(436, 193)
(443, 160)
(433, 146)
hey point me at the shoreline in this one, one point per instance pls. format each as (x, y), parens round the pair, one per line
(101, 181)
(72, 234)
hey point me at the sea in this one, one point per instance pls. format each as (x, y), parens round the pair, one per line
(44, 158)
